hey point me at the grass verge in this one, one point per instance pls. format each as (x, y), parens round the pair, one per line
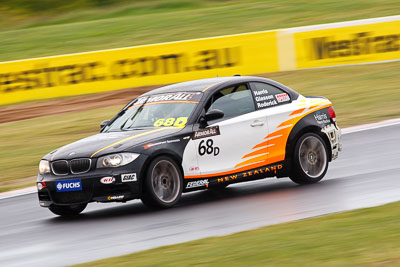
(360, 94)
(365, 237)
(144, 22)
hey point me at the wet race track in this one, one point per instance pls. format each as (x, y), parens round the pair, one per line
(366, 174)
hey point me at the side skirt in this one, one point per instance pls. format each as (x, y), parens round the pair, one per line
(268, 171)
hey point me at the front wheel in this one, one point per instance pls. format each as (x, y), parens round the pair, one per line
(310, 159)
(67, 211)
(163, 183)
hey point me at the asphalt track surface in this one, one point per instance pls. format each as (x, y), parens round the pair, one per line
(366, 174)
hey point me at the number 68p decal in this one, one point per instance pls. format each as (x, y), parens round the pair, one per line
(206, 147)
(174, 122)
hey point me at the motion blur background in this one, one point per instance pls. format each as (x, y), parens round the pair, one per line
(34, 121)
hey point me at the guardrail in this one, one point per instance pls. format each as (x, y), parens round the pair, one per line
(353, 42)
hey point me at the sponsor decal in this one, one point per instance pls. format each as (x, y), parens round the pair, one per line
(179, 96)
(70, 185)
(193, 169)
(206, 147)
(361, 43)
(284, 97)
(118, 197)
(207, 132)
(321, 118)
(264, 171)
(198, 183)
(107, 180)
(149, 145)
(129, 177)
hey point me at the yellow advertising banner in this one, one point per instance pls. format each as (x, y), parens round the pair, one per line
(166, 63)
(347, 45)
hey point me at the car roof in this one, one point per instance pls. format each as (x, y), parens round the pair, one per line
(211, 85)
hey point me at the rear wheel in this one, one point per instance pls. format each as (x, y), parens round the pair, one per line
(67, 211)
(163, 183)
(310, 159)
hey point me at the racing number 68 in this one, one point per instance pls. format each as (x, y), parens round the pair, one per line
(208, 148)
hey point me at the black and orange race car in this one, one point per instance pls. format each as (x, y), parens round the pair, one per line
(193, 135)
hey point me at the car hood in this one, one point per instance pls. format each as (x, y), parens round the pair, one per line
(109, 142)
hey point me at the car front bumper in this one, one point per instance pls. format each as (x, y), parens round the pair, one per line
(92, 189)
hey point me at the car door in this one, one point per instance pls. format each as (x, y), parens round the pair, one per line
(226, 145)
(279, 110)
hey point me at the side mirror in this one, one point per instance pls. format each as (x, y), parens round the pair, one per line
(213, 115)
(104, 124)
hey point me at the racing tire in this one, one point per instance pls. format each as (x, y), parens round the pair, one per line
(310, 159)
(67, 211)
(163, 183)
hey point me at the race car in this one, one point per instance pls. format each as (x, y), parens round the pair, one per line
(196, 135)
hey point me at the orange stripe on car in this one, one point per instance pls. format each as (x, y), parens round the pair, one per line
(277, 140)
(257, 152)
(246, 168)
(253, 160)
(297, 111)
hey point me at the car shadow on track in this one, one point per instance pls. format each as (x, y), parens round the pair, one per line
(262, 188)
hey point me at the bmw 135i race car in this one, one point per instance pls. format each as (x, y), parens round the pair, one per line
(201, 134)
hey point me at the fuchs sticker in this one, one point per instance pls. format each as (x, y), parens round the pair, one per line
(198, 183)
(129, 177)
(207, 132)
(70, 185)
(107, 180)
(282, 97)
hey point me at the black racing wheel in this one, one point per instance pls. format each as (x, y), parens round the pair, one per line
(310, 159)
(163, 183)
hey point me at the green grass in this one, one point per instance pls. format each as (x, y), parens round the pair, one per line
(366, 237)
(23, 143)
(360, 94)
(131, 23)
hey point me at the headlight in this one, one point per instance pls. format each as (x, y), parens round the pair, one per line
(44, 167)
(116, 160)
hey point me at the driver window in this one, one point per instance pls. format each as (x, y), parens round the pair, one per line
(233, 101)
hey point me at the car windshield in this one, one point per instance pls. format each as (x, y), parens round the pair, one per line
(162, 110)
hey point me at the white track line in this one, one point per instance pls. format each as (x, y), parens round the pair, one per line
(19, 192)
(371, 126)
(349, 130)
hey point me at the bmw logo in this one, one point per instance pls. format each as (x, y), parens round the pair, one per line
(72, 153)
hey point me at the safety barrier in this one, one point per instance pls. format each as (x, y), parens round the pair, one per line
(361, 41)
